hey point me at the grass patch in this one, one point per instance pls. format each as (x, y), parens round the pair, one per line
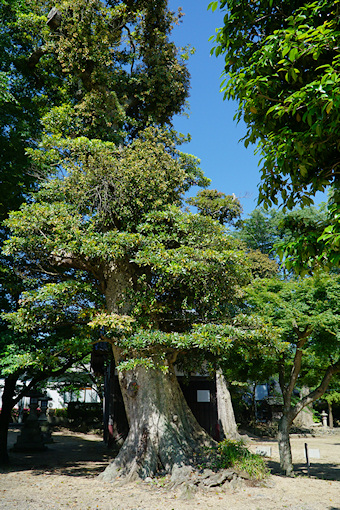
(234, 454)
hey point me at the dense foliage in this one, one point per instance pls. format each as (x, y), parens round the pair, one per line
(105, 243)
(282, 65)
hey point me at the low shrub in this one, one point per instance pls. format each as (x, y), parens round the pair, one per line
(234, 454)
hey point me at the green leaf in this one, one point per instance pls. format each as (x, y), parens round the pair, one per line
(293, 53)
(213, 6)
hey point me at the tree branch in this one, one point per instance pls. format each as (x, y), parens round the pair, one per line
(303, 336)
(42, 376)
(318, 392)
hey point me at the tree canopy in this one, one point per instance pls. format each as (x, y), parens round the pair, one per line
(95, 69)
(292, 237)
(282, 59)
(226, 209)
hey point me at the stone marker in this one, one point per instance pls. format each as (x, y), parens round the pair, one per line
(265, 451)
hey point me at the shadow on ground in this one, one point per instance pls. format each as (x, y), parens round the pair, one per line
(69, 455)
(322, 471)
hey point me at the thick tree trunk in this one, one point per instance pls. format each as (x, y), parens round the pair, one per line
(163, 431)
(5, 416)
(285, 451)
(225, 411)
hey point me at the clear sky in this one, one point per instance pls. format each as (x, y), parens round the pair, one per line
(215, 135)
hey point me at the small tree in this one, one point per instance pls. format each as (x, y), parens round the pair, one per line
(49, 335)
(293, 237)
(306, 314)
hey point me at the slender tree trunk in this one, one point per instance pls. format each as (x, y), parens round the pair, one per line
(5, 416)
(285, 451)
(225, 411)
(289, 412)
(163, 431)
(330, 415)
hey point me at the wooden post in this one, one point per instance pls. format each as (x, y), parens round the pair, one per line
(307, 459)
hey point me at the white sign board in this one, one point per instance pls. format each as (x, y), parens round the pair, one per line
(314, 453)
(203, 395)
(265, 451)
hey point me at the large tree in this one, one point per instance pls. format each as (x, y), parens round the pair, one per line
(282, 65)
(160, 270)
(112, 211)
(89, 67)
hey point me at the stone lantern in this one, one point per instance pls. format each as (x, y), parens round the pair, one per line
(43, 422)
(31, 437)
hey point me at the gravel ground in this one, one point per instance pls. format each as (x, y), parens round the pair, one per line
(65, 476)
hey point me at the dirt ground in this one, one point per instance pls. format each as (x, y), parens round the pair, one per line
(65, 476)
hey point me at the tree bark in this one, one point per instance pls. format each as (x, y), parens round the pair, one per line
(285, 451)
(253, 405)
(163, 431)
(5, 416)
(225, 411)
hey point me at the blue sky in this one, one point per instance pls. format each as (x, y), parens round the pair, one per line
(215, 135)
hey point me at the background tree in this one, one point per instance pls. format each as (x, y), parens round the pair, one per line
(46, 336)
(226, 209)
(333, 397)
(292, 238)
(260, 230)
(282, 60)
(22, 100)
